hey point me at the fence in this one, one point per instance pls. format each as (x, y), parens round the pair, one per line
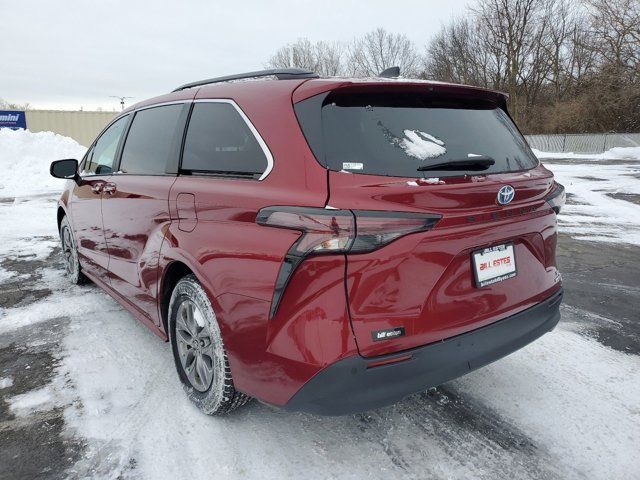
(583, 143)
(83, 127)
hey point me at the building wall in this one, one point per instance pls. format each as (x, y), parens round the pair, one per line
(83, 127)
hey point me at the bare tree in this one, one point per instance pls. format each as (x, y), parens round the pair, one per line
(581, 59)
(4, 105)
(453, 56)
(379, 50)
(330, 58)
(502, 44)
(567, 65)
(514, 31)
(616, 25)
(557, 47)
(324, 58)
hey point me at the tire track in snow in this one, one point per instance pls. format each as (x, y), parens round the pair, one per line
(470, 435)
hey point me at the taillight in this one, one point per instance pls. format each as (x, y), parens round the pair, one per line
(557, 197)
(323, 230)
(375, 229)
(327, 231)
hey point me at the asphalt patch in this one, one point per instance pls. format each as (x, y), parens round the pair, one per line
(593, 179)
(25, 286)
(572, 200)
(629, 197)
(602, 285)
(34, 446)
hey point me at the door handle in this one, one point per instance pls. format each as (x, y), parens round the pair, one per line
(110, 188)
(97, 187)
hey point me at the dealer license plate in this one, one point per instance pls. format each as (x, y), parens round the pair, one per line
(494, 264)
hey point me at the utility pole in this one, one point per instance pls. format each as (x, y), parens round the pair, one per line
(122, 99)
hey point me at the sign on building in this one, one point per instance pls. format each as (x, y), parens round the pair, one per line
(13, 119)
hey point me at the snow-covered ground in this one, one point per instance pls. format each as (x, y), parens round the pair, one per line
(603, 191)
(567, 406)
(602, 200)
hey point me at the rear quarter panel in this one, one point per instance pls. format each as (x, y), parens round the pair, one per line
(237, 261)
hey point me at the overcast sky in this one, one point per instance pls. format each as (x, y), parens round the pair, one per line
(72, 53)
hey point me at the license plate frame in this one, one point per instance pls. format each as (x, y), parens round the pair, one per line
(503, 270)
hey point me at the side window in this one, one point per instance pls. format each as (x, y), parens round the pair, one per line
(152, 140)
(86, 159)
(220, 141)
(101, 158)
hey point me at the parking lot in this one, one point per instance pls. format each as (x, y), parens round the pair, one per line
(87, 391)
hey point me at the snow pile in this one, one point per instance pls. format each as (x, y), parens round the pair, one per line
(421, 145)
(28, 193)
(617, 153)
(25, 158)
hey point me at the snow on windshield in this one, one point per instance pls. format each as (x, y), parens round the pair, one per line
(421, 145)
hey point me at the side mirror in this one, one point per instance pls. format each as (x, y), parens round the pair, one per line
(67, 169)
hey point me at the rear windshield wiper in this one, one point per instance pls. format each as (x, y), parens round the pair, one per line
(481, 162)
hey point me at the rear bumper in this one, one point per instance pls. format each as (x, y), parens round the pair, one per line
(348, 386)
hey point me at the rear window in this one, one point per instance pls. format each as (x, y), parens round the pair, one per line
(396, 134)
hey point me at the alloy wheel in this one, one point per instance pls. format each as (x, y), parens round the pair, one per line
(69, 252)
(195, 349)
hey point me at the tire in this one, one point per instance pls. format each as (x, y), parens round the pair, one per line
(70, 254)
(198, 350)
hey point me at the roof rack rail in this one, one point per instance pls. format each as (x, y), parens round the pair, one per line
(279, 73)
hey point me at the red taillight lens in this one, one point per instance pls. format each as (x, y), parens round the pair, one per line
(337, 231)
(375, 229)
(557, 197)
(324, 230)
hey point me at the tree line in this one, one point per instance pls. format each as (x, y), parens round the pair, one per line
(568, 66)
(4, 105)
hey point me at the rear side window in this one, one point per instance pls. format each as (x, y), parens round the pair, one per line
(219, 141)
(396, 134)
(153, 140)
(101, 158)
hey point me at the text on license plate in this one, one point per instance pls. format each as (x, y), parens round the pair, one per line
(494, 264)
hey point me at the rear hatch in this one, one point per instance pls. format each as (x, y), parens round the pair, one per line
(442, 152)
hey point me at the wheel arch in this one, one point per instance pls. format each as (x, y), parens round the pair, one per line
(170, 277)
(60, 215)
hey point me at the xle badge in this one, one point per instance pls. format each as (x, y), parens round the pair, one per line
(379, 335)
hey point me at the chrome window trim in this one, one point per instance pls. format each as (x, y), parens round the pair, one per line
(252, 128)
(256, 134)
(164, 104)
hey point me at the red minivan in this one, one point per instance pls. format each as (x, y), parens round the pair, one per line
(326, 245)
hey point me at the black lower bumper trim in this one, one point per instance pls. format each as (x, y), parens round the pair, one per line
(348, 386)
